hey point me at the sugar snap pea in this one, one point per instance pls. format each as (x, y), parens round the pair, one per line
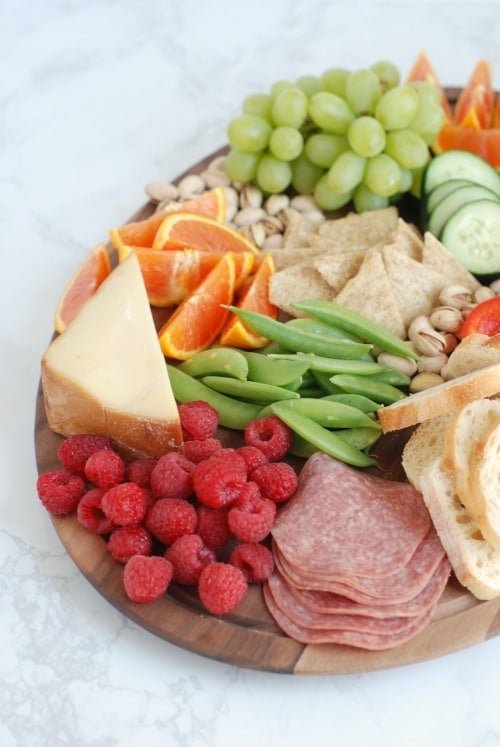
(217, 361)
(312, 392)
(317, 327)
(351, 321)
(329, 414)
(232, 414)
(323, 439)
(323, 381)
(297, 340)
(295, 385)
(393, 377)
(376, 390)
(355, 400)
(360, 438)
(333, 365)
(249, 390)
(266, 370)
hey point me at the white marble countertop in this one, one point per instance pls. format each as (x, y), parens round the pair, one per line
(97, 98)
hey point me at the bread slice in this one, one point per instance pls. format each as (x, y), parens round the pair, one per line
(474, 352)
(485, 484)
(425, 443)
(436, 256)
(296, 283)
(451, 395)
(475, 562)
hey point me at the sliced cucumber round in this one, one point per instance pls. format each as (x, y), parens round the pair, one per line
(442, 191)
(472, 235)
(460, 164)
(452, 202)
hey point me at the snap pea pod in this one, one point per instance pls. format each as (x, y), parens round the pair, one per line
(393, 377)
(232, 414)
(295, 339)
(266, 370)
(324, 440)
(328, 414)
(323, 380)
(217, 361)
(355, 400)
(312, 392)
(317, 327)
(295, 385)
(376, 390)
(351, 321)
(249, 390)
(332, 365)
(360, 438)
(272, 347)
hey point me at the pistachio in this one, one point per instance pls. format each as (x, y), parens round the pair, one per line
(451, 343)
(432, 363)
(455, 296)
(160, 191)
(446, 372)
(417, 325)
(217, 164)
(191, 186)
(425, 380)
(289, 214)
(272, 224)
(495, 287)
(249, 215)
(257, 234)
(429, 342)
(215, 178)
(274, 241)
(405, 365)
(483, 294)
(231, 210)
(250, 196)
(303, 203)
(276, 203)
(446, 318)
(167, 206)
(231, 195)
(314, 217)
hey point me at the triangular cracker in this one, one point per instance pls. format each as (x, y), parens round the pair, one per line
(298, 231)
(436, 255)
(288, 257)
(337, 269)
(407, 235)
(296, 283)
(363, 228)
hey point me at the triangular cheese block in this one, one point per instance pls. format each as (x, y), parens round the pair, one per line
(435, 255)
(106, 373)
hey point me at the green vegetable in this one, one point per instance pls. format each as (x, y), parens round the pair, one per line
(265, 370)
(311, 392)
(249, 390)
(355, 400)
(376, 390)
(360, 438)
(317, 327)
(393, 377)
(332, 365)
(323, 380)
(221, 361)
(328, 414)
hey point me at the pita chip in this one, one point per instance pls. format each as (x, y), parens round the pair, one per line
(436, 255)
(296, 283)
(337, 269)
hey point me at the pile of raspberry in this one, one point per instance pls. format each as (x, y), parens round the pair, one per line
(200, 517)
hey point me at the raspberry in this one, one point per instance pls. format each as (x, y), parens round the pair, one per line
(252, 519)
(218, 482)
(277, 481)
(253, 457)
(125, 504)
(75, 450)
(171, 478)
(212, 527)
(171, 518)
(189, 556)
(230, 456)
(59, 491)
(105, 468)
(196, 451)
(125, 542)
(221, 587)
(146, 579)
(199, 419)
(269, 435)
(255, 560)
(90, 513)
(140, 471)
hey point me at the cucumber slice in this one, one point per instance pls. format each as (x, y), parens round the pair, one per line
(472, 235)
(460, 164)
(442, 191)
(453, 202)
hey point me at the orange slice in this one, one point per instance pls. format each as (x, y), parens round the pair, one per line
(423, 70)
(142, 233)
(243, 265)
(496, 112)
(255, 298)
(476, 97)
(484, 143)
(84, 283)
(197, 322)
(185, 231)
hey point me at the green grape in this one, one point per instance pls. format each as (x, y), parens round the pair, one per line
(362, 91)
(273, 175)
(322, 149)
(289, 108)
(346, 172)
(334, 80)
(249, 133)
(387, 73)
(305, 175)
(326, 198)
(397, 108)
(364, 199)
(241, 166)
(416, 186)
(330, 112)
(366, 136)
(310, 84)
(407, 148)
(258, 104)
(426, 89)
(382, 175)
(406, 180)
(286, 143)
(280, 85)
(428, 120)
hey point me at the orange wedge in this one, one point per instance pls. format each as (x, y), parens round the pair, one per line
(84, 283)
(142, 233)
(197, 322)
(476, 97)
(423, 70)
(484, 143)
(185, 231)
(243, 265)
(256, 298)
(496, 112)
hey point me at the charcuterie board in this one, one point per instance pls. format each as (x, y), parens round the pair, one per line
(250, 637)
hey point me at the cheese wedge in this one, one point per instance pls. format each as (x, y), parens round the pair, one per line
(106, 373)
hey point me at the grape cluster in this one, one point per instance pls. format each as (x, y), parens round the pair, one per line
(343, 136)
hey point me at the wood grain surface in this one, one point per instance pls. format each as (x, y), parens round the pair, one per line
(249, 637)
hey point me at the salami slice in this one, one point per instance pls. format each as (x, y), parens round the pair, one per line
(341, 521)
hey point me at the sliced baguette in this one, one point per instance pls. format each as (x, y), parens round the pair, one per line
(475, 562)
(424, 444)
(474, 352)
(451, 395)
(485, 484)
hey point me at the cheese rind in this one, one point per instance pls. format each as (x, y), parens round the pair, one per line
(106, 373)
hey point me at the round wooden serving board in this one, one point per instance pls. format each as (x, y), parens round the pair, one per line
(249, 637)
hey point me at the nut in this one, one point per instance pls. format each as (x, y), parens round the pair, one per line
(429, 342)
(314, 217)
(160, 191)
(257, 234)
(423, 381)
(191, 186)
(405, 365)
(217, 164)
(495, 287)
(272, 224)
(167, 206)
(248, 216)
(455, 296)
(231, 210)
(432, 363)
(303, 203)
(451, 343)
(417, 325)
(215, 178)
(276, 203)
(251, 196)
(275, 241)
(446, 372)
(231, 196)
(446, 318)
(483, 294)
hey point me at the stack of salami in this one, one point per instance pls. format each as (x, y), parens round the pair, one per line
(358, 561)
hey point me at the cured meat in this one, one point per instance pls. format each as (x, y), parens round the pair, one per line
(341, 521)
